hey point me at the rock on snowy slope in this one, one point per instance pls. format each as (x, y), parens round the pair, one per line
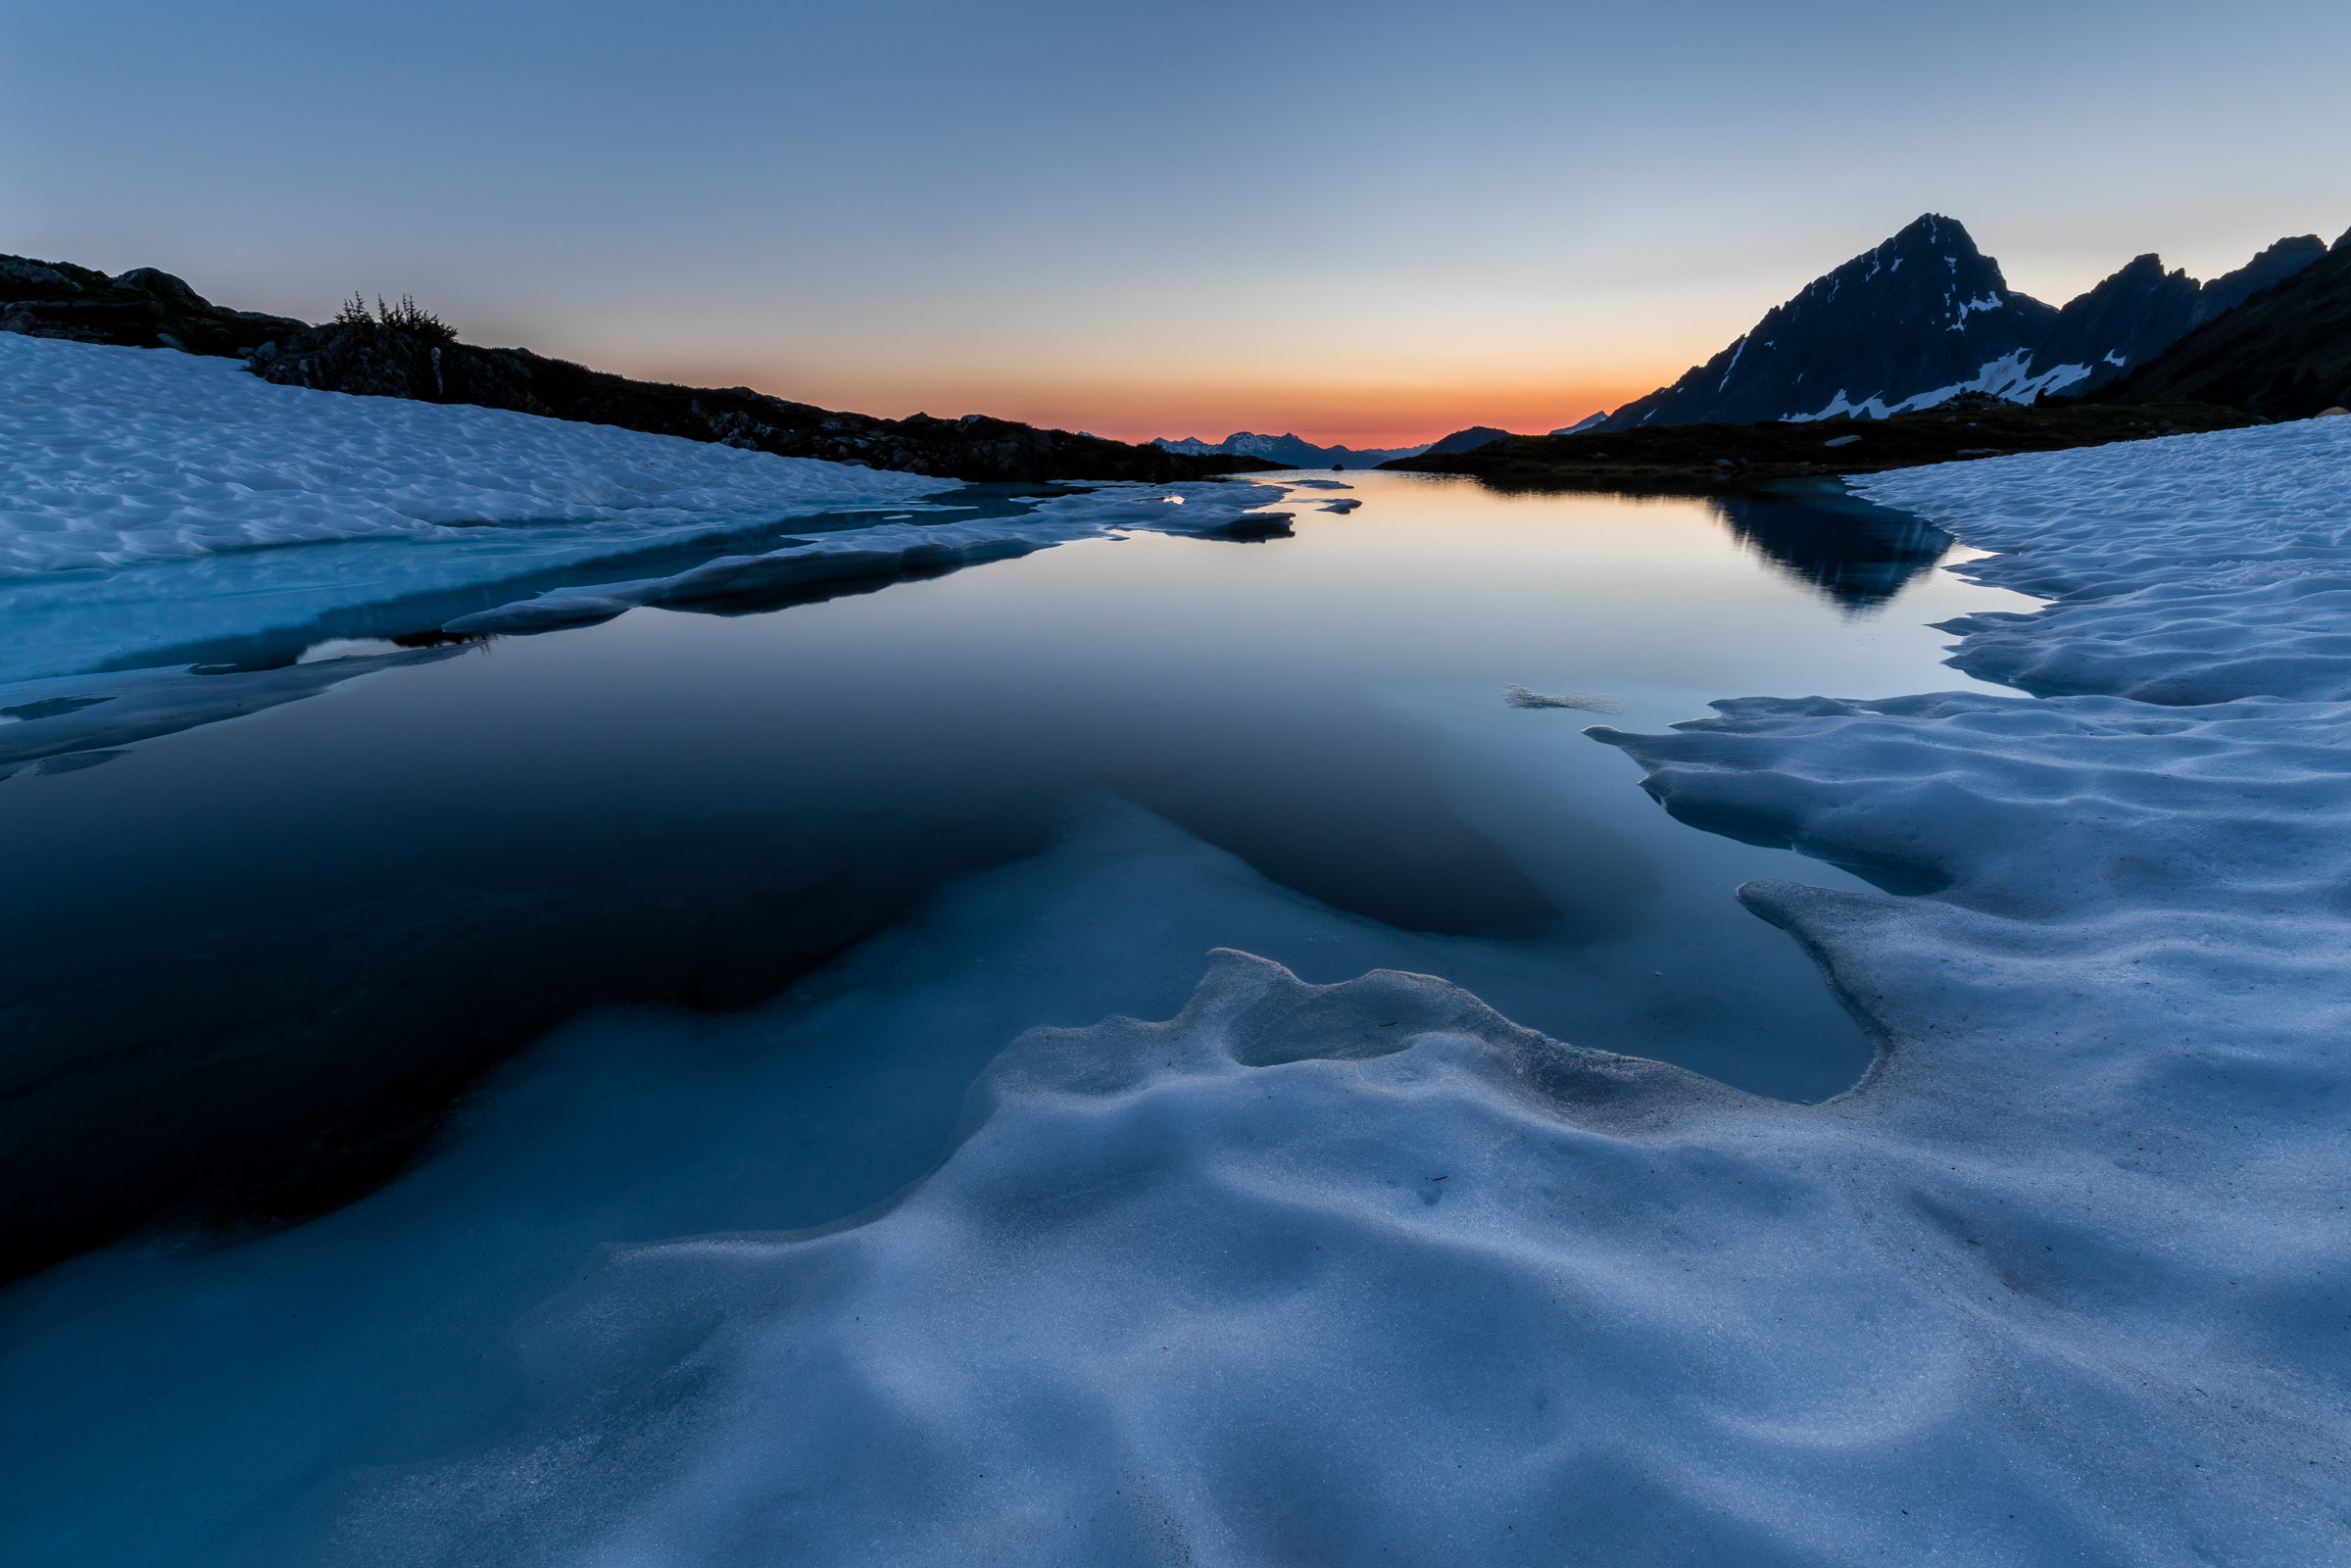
(143, 308)
(1926, 316)
(2287, 351)
(149, 309)
(1347, 1272)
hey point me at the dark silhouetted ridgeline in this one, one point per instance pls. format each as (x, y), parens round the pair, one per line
(2285, 352)
(400, 354)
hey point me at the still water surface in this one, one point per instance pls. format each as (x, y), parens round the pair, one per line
(247, 966)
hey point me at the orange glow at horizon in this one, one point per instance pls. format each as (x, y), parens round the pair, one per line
(1359, 415)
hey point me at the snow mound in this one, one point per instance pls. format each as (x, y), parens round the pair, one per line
(2195, 569)
(1336, 1272)
(120, 455)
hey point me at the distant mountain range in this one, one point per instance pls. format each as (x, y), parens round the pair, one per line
(1299, 453)
(1295, 451)
(1926, 316)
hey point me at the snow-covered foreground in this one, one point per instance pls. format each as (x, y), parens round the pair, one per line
(1367, 1273)
(153, 502)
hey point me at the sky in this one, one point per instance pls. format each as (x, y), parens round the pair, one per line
(1365, 222)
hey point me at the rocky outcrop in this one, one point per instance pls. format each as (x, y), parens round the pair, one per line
(150, 309)
(143, 309)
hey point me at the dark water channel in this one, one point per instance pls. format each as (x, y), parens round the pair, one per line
(244, 968)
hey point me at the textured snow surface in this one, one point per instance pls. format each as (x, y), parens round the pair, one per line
(2195, 569)
(1366, 1272)
(117, 455)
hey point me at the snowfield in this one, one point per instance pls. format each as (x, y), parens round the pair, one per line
(1367, 1273)
(118, 456)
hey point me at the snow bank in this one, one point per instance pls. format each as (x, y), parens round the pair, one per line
(156, 508)
(2191, 569)
(118, 454)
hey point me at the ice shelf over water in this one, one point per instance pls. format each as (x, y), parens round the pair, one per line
(152, 501)
(1365, 1272)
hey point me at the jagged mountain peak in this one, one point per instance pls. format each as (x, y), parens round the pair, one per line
(1926, 315)
(1924, 312)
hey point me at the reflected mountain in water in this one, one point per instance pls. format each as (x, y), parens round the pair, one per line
(1855, 554)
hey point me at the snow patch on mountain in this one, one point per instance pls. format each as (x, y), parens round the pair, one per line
(2009, 376)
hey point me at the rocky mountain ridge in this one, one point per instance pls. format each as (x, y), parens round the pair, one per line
(1870, 339)
(2284, 351)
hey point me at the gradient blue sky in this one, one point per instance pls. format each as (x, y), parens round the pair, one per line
(1371, 222)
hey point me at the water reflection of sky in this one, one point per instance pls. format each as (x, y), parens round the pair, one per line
(247, 963)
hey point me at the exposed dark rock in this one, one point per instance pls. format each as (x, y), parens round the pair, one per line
(146, 308)
(1924, 311)
(2285, 352)
(143, 309)
(2139, 312)
(1469, 440)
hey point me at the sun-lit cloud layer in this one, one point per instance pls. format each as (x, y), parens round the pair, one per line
(1364, 223)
